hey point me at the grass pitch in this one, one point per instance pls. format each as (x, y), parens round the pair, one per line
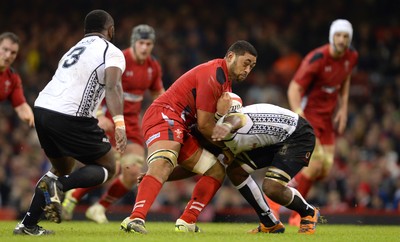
(83, 231)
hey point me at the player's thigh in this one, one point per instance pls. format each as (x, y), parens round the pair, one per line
(204, 163)
(295, 153)
(198, 160)
(321, 161)
(62, 166)
(108, 162)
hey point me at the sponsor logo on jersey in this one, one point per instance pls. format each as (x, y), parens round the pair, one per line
(150, 73)
(328, 68)
(178, 133)
(283, 150)
(330, 89)
(128, 73)
(7, 84)
(346, 65)
(132, 97)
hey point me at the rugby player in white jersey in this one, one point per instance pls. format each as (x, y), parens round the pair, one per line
(66, 124)
(268, 136)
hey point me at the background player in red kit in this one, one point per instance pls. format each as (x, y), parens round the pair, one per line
(10, 82)
(142, 73)
(319, 92)
(190, 100)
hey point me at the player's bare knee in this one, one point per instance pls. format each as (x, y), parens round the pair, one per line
(314, 170)
(327, 166)
(130, 160)
(129, 179)
(130, 172)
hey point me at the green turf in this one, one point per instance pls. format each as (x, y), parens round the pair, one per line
(218, 232)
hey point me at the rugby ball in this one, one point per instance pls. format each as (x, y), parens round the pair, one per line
(237, 103)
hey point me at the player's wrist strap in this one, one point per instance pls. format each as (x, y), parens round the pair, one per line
(119, 121)
(217, 116)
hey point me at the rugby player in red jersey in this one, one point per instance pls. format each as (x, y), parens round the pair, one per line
(319, 92)
(142, 73)
(191, 100)
(10, 81)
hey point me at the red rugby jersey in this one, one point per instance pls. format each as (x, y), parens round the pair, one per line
(11, 87)
(199, 88)
(136, 79)
(321, 76)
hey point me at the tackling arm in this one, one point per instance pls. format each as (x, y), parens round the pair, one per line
(205, 123)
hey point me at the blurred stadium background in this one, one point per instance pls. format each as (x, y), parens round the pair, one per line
(364, 186)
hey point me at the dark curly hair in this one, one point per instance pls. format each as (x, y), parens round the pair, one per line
(97, 20)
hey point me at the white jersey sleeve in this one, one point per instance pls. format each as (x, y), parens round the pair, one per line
(266, 124)
(78, 86)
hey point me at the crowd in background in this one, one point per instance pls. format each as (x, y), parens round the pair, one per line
(366, 174)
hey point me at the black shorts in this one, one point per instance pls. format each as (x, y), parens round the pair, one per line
(290, 156)
(63, 135)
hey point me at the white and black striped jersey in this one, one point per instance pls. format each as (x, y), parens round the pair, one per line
(266, 124)
(77, 87)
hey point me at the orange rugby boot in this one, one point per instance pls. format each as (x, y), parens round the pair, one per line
(278, 228)
(308, 223)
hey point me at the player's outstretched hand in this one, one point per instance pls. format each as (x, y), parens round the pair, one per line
(220, 131)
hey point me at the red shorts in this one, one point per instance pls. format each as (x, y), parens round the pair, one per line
(160, 123)
(323, 128)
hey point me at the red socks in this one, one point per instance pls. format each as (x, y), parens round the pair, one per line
(203, 192)
(80, 192)
(304, 184)
(113, 193)
(149, 188)
(147, 192)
